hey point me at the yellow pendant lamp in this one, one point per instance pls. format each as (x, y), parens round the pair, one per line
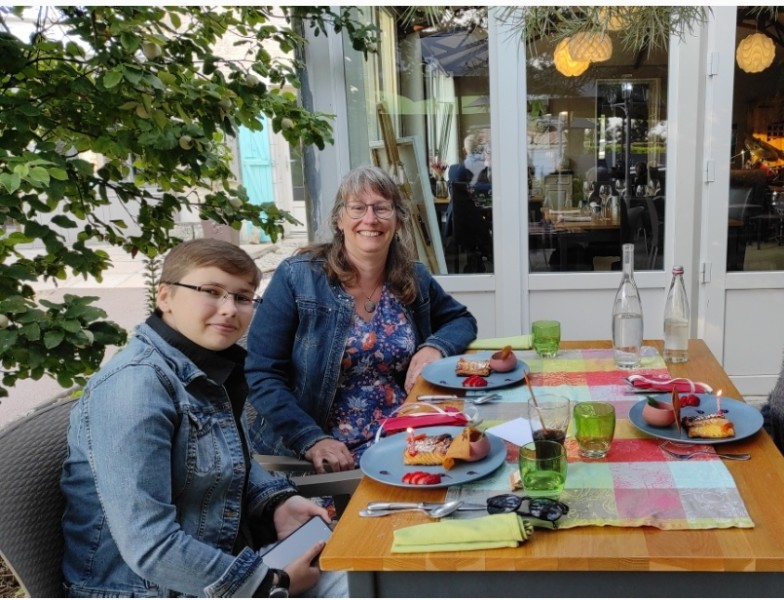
(593, 47)
(755, 53)
(564, 62)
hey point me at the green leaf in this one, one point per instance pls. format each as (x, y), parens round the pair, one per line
(113, 77)
(10, 181)
(52, 339)
(58, 173)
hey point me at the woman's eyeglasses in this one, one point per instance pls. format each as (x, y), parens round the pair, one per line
(218, 295)
(545, 509)
(382, 210)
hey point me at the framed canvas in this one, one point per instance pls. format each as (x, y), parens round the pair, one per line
(415, 182)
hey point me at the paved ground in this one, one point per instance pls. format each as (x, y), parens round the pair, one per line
(122, 295)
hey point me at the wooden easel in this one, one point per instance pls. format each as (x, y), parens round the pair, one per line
(397, 170)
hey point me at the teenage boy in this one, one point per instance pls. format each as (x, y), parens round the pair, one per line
(163, 497)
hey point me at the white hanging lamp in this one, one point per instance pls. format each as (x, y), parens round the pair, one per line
(593, 47)
(755, 53)
(564, 62)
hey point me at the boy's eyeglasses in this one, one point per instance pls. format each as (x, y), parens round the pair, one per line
(382, 210)
(545, 509)
(218, 295)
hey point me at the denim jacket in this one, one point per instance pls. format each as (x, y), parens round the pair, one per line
(296, 343)
(154, 481)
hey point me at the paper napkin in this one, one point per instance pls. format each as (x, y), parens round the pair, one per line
(493, 531)
(517, 342)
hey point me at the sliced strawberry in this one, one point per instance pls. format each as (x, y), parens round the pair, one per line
(433, 479)
(420, 478)
(407, 478)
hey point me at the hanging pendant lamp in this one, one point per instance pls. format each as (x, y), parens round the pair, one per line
(755, 53)
(564, 62)
(593, 47)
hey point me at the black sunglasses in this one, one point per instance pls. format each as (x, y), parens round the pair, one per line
(544, 509)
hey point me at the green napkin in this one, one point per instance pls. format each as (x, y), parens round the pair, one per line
(493, 531)
(517, 342)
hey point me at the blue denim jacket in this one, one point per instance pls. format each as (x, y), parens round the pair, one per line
(296, 343)
(154, 481)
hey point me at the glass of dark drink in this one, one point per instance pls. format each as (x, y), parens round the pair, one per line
(549, 417)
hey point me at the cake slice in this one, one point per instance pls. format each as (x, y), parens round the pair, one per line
(426, 449)
(715, 426)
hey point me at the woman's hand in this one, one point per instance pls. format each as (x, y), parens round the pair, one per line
(424, 356)
(330, 456)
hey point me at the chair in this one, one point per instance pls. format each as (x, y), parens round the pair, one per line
(32, 451)
(653, 247)
(471, 229)
(339, 485)
(773, 412)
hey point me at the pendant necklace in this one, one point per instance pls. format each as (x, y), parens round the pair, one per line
(370, 304)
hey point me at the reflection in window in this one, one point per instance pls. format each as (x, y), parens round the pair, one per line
(431, 83)
(596, 161)
(755, 226)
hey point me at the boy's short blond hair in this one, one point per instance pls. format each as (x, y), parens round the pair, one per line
(207, 252)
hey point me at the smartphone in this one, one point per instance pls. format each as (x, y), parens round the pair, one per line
(295, 545)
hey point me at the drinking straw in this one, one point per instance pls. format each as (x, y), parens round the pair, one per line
(536, 404)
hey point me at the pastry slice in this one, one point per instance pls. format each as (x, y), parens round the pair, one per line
(427, 449)
(466, 367)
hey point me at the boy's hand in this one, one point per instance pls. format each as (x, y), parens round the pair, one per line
(304, 571)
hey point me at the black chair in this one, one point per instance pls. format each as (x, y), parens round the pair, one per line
(742, 207)
(471, 229)
(656, 223)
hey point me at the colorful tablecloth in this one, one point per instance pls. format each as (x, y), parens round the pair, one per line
(637, 484)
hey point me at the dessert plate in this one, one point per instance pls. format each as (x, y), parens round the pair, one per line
(442, 372)
(746, 419)
(383, 461)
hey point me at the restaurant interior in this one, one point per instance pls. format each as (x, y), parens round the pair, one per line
(597, 135)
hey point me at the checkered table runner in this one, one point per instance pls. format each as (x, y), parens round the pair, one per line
(637, 484)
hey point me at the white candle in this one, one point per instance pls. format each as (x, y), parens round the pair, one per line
(410, 431)
(718, 403)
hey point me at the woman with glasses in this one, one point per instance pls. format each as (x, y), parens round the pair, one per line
(345, 329)
(162, 496)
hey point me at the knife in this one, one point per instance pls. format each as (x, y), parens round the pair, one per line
(437, 398)
(422, 505)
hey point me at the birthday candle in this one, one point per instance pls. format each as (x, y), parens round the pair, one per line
(718, 402)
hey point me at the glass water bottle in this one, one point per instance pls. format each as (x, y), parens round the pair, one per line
(676, 320)
(627, 316)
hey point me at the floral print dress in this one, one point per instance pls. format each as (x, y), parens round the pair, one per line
(373, 372)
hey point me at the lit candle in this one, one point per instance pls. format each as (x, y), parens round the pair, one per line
(718, 402)
(410, 431)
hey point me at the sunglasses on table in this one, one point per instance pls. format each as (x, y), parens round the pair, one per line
(544, 509)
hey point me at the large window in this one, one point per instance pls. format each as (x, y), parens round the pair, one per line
(597, 135)
(426, 92)
(755, 233)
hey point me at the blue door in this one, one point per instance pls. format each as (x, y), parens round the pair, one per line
(256, 165)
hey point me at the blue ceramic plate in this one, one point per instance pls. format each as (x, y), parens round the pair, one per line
(383, 461)
(442, 372)
(746, 419)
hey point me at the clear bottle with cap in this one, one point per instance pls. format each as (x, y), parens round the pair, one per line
(627, 316)
(676, 320)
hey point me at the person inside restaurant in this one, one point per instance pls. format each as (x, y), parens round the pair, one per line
(345, 329)
(162, 495)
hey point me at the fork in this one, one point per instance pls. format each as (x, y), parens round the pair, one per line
(688, 455)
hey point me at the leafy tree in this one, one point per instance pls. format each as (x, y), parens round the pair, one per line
(145, 90)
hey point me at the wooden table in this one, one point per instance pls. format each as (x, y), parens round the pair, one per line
(584, 561)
